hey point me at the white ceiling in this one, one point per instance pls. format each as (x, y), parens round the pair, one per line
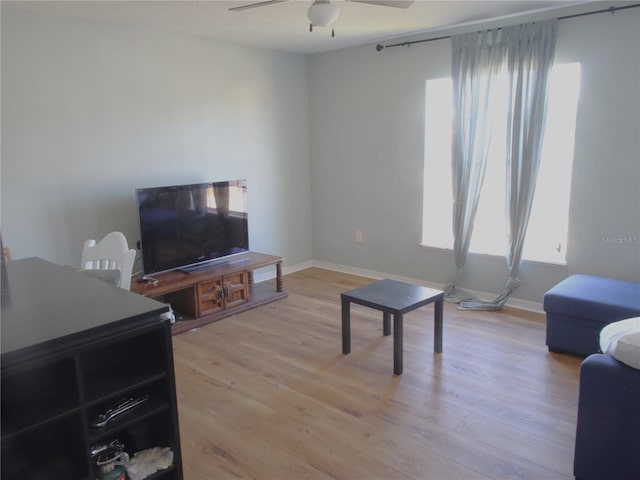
(284, 26)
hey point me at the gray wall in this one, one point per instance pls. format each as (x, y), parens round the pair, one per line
(90, 112)
(367, 124)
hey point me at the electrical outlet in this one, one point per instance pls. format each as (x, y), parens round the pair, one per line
(359, 236)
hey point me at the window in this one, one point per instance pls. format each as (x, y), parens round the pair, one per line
(548, 226)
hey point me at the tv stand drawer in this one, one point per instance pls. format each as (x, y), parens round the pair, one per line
(236, 289)
(221, 293)
(210, 297)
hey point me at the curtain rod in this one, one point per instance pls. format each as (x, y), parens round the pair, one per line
(380, 47)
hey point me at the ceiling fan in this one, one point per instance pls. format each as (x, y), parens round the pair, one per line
(323, 13)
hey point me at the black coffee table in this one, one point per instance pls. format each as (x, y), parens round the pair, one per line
(397, 298)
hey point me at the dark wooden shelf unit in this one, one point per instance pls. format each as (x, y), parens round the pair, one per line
(214, 293)
(72, 345)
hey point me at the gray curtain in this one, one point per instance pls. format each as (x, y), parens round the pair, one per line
(476, 59)
(527, 51)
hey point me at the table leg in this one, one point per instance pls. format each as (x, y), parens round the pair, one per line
(279, 287)
(397, 344)
(437, 327)
(346, 326)
(386, 323)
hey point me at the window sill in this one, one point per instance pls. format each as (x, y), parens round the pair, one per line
(436, 249)
(551, 262)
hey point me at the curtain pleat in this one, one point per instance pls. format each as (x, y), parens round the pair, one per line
(476, 59)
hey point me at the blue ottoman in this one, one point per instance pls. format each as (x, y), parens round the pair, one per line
(579, 306)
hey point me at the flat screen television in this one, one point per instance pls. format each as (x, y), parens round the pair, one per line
(188, 227)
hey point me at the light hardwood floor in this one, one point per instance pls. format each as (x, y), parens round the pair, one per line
(267, 394)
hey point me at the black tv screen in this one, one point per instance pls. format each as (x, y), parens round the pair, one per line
(188, 226)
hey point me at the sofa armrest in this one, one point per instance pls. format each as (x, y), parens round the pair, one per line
(608, 426)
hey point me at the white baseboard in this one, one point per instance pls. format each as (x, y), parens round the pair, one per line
(270, 274)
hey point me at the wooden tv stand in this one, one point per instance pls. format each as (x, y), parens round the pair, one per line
(211, 294)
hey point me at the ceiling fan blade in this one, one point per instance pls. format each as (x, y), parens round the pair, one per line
(256, 5)
(387, 3)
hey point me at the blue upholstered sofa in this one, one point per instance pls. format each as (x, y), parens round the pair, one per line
(581, 311)
(581, 305)
(608, 427)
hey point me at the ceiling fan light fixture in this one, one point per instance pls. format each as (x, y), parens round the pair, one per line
(322, 13)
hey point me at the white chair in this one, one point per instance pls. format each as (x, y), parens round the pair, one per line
(110, 253)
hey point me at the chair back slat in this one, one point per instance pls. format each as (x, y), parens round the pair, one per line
(110, 253)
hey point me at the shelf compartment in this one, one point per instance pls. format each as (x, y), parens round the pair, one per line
(155, 431)
(123, 387)
(54, 452)
(37, 393)
(184, 301)
(126, 364)
(158, 402)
